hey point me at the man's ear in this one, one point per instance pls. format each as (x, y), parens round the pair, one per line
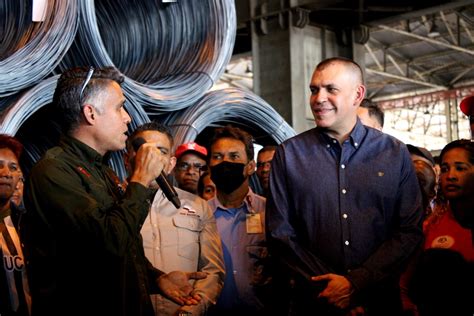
(250, 167)
(171, 165)
(360, 94)
(89, 113)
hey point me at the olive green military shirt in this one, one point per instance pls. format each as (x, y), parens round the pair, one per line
(82, 236)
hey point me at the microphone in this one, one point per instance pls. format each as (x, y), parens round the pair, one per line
(165, 186)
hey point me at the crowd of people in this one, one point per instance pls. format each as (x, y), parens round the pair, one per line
(347, 220)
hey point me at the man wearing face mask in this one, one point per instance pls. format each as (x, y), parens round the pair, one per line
(240, 216)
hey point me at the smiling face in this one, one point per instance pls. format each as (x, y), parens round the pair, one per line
(9, 174)
(457, 174)
(336, 92)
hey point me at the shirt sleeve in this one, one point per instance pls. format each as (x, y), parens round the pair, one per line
(210, 261)
(80, 207)
(285, 246)
(406, 234)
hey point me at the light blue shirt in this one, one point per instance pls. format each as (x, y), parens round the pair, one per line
(242, 232)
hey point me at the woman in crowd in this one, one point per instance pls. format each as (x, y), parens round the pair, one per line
(443, 280)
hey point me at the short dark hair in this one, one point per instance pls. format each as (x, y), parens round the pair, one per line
(374, 110)
(347, 62)
(267, 148)
(10, 142)
(234, 133)
(466, 144)
(67, 97)
(150, 126)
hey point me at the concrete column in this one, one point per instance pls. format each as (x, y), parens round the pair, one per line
(285, 55)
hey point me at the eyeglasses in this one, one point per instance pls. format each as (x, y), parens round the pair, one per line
(86, 81)
(184, 166)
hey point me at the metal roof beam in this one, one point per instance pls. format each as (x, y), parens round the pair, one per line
(402, 78)
(417, 69)
(427, 39)
(448, 27)
(416, 14)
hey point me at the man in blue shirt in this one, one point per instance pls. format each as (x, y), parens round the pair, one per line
(240, 216)
(344, 209)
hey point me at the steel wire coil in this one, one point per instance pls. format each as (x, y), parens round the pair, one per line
(36, 141)
(228, 106)
(30, 51)
(171, 54)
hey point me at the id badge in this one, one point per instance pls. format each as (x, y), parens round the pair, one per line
(254, 224)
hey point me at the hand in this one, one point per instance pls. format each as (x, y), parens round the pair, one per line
(338, 289)
(175, 285)
(148, 163)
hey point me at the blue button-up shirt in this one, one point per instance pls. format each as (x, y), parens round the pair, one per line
(353, 210)
(245, 254)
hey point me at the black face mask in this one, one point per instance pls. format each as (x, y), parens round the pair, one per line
(228, 176)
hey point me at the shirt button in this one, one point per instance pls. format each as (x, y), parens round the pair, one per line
(343, 166)
(334, 141)
(344, 191)
(344, 215)
(346, 242)
(355, 144)
(328, 146)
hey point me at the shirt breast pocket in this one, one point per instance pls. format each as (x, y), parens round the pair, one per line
(258, 256)
(381, 183)
(188, 228)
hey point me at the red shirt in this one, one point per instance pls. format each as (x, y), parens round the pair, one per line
(447, 233)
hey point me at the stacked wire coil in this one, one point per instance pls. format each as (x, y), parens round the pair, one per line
(170, 53)
(228, 106)
(40, 96)
(30, 51)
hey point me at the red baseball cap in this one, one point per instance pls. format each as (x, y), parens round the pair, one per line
(191, 147)
(467, 105)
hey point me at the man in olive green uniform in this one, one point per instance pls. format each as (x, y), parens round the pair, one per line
(82, 232)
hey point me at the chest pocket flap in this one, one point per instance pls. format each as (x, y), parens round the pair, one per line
(188, 222)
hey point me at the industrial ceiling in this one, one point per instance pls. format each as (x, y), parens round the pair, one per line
(411, 47)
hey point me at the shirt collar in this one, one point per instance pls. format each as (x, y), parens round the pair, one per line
(86, 153)
(355, 138)
(247, 202)
(358, 133)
